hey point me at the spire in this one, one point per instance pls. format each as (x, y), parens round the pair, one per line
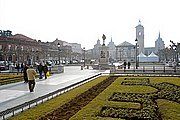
(159, 35)
(98, 41)
(139, 23)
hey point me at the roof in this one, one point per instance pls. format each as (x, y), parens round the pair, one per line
(141, 55)
(125, 43)
(152, 55)
(22, 37)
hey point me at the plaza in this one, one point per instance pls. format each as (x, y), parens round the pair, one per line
(17, 93)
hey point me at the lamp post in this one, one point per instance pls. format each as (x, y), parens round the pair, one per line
(136, 54)
(84, 55)
(59, 51)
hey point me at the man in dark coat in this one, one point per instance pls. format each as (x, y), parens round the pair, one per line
(45, 69)
(40, 69)
(25, 73)
(129, 64)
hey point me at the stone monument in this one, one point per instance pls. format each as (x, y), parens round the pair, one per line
(104, 53)
(104, 58)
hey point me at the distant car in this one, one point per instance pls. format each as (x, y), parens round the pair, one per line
(3, 65)
(171, 64)
(50, 63)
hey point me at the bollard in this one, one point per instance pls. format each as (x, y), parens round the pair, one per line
(81, 67)
(143, 69)
(174, 68)
(153, 68)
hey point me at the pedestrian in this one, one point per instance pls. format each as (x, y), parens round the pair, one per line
(22, 67)
(125, 65)
(40, 69)
(129, 64)
(25, 73)
(45, 69)
(17, 67)
(31, 74)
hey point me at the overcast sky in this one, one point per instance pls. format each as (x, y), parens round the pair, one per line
(84, 21)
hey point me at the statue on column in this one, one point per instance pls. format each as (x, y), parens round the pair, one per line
(103, 37)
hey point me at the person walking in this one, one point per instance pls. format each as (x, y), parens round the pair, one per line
(22, 67)
(17, 67)
(45, 69)
(40, 69)
(31, 74)
(25, 73)
(124, 66)
(129, 64)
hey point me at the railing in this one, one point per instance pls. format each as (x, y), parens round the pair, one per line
(149, 70)
(27, 105)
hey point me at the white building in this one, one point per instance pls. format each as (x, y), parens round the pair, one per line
(125, 52)
(96, 51)
(76, 48)
(159, 44)
(152, 58)
(112, 50)
(142, 57)
(140, 37)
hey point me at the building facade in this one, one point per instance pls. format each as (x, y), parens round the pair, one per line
(125, 52)
(19, 48)
(159, 44)
(96, 51)
(22, 49)
(112, 50)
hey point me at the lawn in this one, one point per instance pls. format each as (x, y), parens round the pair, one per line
(10, 78)
(126, 97)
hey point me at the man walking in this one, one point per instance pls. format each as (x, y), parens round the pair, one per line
(31, 74)
(40, 69)
(45, 69)
(25, 73)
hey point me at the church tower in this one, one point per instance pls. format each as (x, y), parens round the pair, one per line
(159, 44)
(140, 37)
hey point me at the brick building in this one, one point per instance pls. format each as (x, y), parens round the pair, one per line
(20, 48)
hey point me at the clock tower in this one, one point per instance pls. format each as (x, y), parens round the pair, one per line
(140, 37)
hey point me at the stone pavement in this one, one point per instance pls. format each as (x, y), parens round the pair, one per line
(18, 93)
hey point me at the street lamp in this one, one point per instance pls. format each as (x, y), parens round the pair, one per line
(136, 54)
(59, 51)
(84, 55)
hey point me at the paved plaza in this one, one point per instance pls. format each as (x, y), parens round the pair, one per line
(18, 93)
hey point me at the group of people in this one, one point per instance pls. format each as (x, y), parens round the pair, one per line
(41, 69)
(129, 64)
(30, 74)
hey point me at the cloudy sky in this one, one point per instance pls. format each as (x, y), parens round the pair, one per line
(84, 21)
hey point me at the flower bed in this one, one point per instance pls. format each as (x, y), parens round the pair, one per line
(149, 107)
(67, 110)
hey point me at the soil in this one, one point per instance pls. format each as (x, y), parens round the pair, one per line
(69, 109)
